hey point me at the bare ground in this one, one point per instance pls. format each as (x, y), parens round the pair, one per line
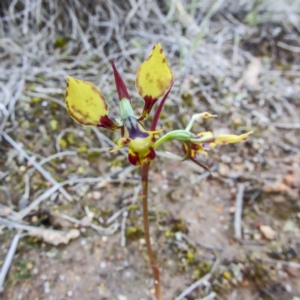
(240, 61)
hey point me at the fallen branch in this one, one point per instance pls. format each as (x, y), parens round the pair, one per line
(8, 259)
(50, 236)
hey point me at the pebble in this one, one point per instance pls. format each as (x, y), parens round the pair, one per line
(268, 232)
(95, 195)
(46, 287)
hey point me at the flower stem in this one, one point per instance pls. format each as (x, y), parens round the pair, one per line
(155, 269)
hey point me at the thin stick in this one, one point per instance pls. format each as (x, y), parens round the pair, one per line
(123, 229)
(284, 263)
(238, 211)
(8, 259)
(212, 295)
(199, 282)
(286, 125)
(100, 230)
(115, 215)
(155, 270)
(288, 47)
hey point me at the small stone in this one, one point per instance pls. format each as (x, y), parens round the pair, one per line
(69, 293)
(154, 190)
(43, 277)
(291, 180)
(46, 287)
(95, 195)
(275, 187)
(232, 209)
(35, 271)
(121, 297)
(268, 232)
(223, 170)
(288, 288)
(290, 226)
(257, 236)
(22, 169)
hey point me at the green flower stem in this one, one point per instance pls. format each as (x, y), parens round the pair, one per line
(155, 269)
(207, 139)
(179, 135)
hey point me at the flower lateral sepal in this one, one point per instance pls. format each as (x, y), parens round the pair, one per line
(87, 105)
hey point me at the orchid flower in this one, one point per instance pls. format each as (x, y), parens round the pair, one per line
(87, 105)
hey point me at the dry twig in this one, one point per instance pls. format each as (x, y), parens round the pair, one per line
(238, 211)
(8, 259)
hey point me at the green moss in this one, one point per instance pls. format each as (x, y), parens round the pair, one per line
(82, 149)
(132, 207)
(60, 42)
(71, 138)
(63, 143)
(53, 124)
(169, 234)
(35, 100)
(21, 270)
(190, 257)
(134, 232)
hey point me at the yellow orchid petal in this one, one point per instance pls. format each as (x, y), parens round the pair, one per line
(121, 143)
(154, 77)
(204, 135)
(223, 139)
(86, 104)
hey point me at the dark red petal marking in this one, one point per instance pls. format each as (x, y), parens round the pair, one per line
(120, 85)
(159, 109)
(107, 123)
(151, 155)
(134, 159)
(149, 102)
